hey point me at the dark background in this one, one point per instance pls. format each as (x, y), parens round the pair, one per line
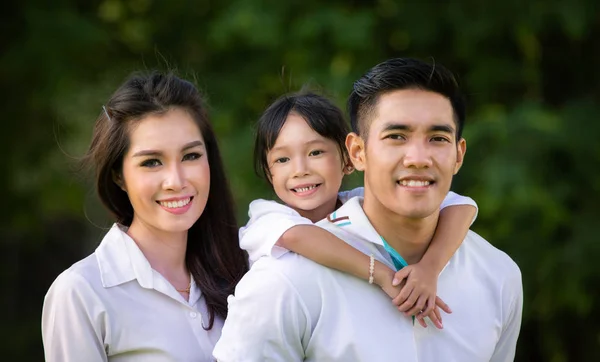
(529, 68)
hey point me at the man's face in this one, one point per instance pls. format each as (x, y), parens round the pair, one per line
(410, 154)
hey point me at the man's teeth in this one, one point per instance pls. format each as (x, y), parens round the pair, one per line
(414, 183)
(175, 204)
(304, 189)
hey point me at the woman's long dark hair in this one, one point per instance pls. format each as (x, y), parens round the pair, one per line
(213, 254)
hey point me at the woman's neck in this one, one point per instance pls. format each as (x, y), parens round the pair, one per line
(165, 251)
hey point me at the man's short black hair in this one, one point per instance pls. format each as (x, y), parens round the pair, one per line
(402, 73)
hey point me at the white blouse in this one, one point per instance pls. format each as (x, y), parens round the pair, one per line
(112, 306)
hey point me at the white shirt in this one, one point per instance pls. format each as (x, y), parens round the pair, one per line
(291, 309)
(270, 219)
(112, 306)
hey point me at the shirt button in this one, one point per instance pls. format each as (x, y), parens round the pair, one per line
(193, 314)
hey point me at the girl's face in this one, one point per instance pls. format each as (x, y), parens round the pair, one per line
(306, 169)
(166, 173)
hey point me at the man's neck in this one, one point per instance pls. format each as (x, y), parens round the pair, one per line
(410, 237)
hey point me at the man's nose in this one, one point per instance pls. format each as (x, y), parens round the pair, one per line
(417, 155)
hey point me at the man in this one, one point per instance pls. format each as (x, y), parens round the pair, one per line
(407, 118)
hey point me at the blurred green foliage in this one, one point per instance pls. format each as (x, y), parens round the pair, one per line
(529, 68)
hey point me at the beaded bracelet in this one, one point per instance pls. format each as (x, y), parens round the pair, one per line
(371, 268)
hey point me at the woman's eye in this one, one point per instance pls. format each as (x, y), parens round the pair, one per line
(151, 163)
(316, 153)
(192, 156)
(282, 160)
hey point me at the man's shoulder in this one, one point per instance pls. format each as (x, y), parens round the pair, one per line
(291, 278)
(489, 255)
(288, 268)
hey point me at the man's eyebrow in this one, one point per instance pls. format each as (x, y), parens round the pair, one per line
(442, 128)
(187, 146)
(396, 126)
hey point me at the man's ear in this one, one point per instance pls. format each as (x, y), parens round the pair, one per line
(356, 150)
(461, 149)
(118, 179)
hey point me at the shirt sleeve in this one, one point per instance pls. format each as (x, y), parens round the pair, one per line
(266, 320)
(268, 221)
(72, 321)
(513, 300)
(453, 199)
(347, 195)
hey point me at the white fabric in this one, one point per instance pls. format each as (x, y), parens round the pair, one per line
(270, 219)
(291, 309)
(112, 306)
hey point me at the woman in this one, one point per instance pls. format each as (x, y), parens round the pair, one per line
(156, 287)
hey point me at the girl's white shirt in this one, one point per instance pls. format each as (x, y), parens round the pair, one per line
(270, 219)
(112, 306)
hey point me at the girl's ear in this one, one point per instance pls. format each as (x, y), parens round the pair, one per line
(349, 168)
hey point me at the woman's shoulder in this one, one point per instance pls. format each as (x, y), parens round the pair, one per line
(82, 276)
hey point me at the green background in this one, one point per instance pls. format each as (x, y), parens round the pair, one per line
(529, 69)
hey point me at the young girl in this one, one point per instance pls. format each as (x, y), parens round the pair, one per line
(300, 150)
(156, 287)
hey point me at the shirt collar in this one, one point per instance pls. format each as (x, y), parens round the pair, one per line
(352, 220)
(120, 260)
(351, 217)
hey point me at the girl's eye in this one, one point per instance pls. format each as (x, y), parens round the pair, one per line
(316, 153)
(192, 156)
(282, 160)
(151, 163)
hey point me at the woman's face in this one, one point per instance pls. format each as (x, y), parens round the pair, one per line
(166, 172)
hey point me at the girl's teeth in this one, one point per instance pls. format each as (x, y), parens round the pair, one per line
(175, 204)
(304, 189)
(414, 183)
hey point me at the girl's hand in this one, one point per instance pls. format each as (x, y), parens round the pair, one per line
(418, 294)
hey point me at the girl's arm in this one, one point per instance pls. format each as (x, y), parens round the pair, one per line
(321, 246)
(268, 221)
(418, 295)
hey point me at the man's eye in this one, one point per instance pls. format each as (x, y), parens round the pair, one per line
(282, 160)
(440, 139)
(396, 137)
(192, 156)
(316, 153)
(150, 163)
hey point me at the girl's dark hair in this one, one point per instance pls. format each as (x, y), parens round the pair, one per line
(320, 114)
(213, 254)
